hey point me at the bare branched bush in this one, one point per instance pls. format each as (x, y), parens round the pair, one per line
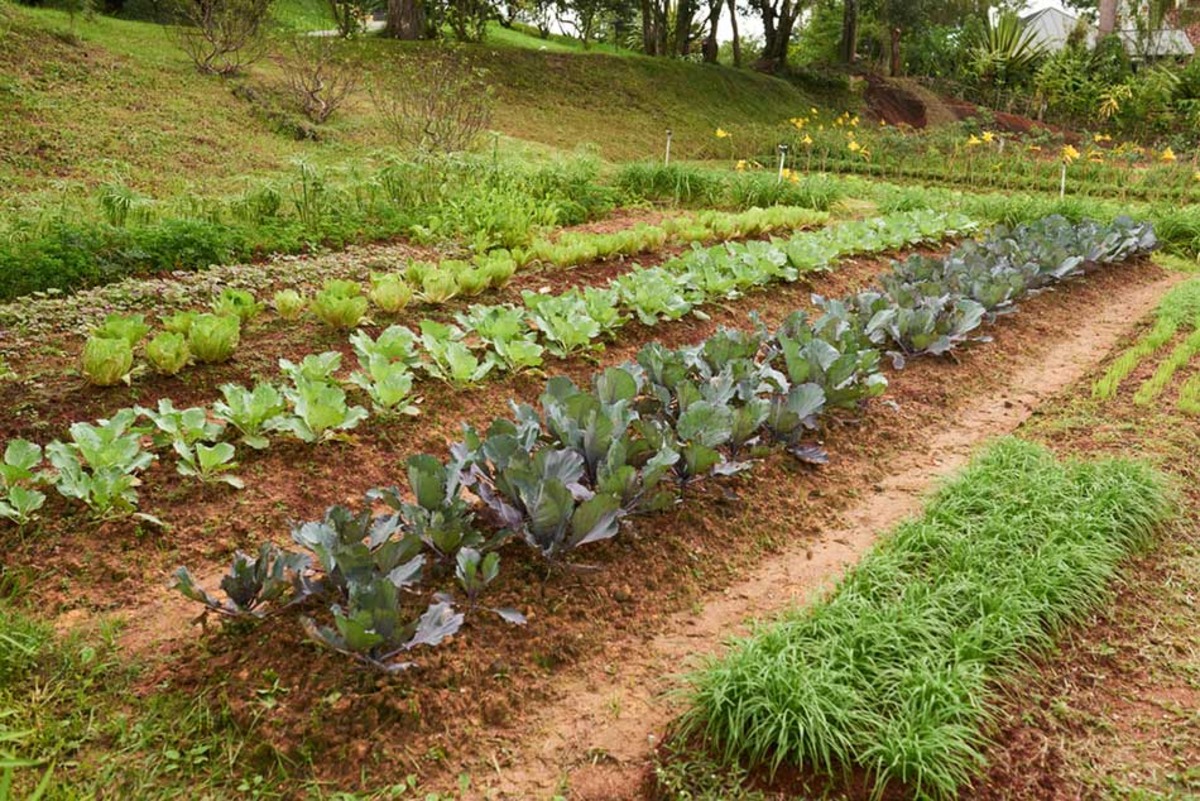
(318, 76)
(436, 101)
(223, 37)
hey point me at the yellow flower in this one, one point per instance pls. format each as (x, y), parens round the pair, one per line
(1098, 138)
(988, 136)
(854, 122)
(814, 111)
(854, 146)
(883, 123)
(1196, 176)
(1069, 154)
(806, 141)
(1034, 148)
(741, 165)
(1168, 155)
(722, 133)
(974, 140)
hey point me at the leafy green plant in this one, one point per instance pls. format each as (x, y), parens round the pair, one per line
(237, 303)
(475, 572)
(289, 304)
(449, 357)
(254, 587)
(319, 412)
(213, 338)
(180, 322)
(130, 327)
(390, 292)
(168, 353)
(438, 285)
(388, 384)
(562, 321)
(374, 630)
(440, 518)
(20, 502)
(187, 426)
(250, 411)
(340, 304)
(99, 466)
(504, 329)
(209, 463)
(107, 361)
(313, 367)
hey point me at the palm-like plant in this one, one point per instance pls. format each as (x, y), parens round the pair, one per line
(1006, 51)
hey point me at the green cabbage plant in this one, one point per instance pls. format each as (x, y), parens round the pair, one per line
(107, 361)
(213, 338)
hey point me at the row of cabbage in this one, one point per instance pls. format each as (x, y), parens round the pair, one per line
(212, 337)
(394, 574)
(100, 464)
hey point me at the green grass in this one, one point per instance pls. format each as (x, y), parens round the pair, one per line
(895, 671)
(1179, 308)
(1153, 386)
(88, 100)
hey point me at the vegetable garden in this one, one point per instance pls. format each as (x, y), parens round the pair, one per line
(409, 488)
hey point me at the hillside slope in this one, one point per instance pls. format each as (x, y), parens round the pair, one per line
(86, 100)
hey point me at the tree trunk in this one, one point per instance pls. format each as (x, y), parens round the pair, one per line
(406, 19)
(848, 48)
(737, 42)
(1108, 18)
(895, 65)
(709, 48)
(777, 34)
(684, 11)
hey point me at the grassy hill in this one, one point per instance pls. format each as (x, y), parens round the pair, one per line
(86, 100)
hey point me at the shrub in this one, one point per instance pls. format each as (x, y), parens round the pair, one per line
(438, 101)
(317, 76)
(223, 37)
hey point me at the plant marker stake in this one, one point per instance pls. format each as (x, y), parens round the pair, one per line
(783, 149)
(667, 159)
(1062, 186)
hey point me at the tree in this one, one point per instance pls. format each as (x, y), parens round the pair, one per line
(737, 41)
(779, 20)
(848, 49)
(1108, 18)
(405, 19)
(900, 16)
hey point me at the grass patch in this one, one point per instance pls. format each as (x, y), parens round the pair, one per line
(1179, 308)
(894, 672)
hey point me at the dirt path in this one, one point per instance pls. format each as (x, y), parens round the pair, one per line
(598, 740)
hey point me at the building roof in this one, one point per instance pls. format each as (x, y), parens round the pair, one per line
(1052, 29)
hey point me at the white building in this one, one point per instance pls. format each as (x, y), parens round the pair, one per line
(1053, 28)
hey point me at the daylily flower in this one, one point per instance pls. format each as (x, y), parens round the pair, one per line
(740, 166)
(1168, 155)
(807, 140)
(722, 133)
(1069, 154)
(988, 136)
(974, 141)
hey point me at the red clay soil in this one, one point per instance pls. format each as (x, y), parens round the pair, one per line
(896, 105)
(484, 701)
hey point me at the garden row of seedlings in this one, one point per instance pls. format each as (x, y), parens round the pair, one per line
(892, 673)
(567, 474)
(1177, 312)
(212, 337)
(100, 464)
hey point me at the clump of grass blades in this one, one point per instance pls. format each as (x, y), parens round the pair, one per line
(1179, 307)
(894, 671)
(1153, 386)
(1189, 396)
